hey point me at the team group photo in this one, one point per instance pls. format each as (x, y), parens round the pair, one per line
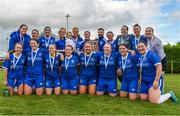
(129, 62)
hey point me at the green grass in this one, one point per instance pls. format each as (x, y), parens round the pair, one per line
(86, 104)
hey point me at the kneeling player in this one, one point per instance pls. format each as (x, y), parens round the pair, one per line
(70, 77)
(107, 72)
(88, 74)
(127, 65)
(14, 70)
(152, 80)
(52, 75)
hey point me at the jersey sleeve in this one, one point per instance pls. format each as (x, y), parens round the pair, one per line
(6, 65)
(11, 42)
(154, 59)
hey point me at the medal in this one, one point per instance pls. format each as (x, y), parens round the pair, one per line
(67, 60)
(51, 62)
(106, 61)
(124, 61)
(16, 61)
(33, 57)
(87, 60)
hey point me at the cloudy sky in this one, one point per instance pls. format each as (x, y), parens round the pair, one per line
(162, 15)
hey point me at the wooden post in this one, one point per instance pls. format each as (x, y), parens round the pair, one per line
(172, 65)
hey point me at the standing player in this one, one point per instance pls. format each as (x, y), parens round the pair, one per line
(34, 69)
(112, 42)
(107, 72)
(101, 40)
(136, 38)
(47, 39)
(88, 73)
(152, 81)
(69, 40)
(52, 70)
(155, 45)
(19, 36)
(77, 39)
(14, 70)
(61, 42)
(87, 36)
(35, 34)
(130, 72)
(124, 38)
(70, 77)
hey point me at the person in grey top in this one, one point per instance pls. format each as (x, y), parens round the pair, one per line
(124, 38)
(155, 45)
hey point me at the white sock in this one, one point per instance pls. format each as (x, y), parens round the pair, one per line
(164, 98)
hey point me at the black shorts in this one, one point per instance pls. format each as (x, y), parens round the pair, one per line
(164, 63)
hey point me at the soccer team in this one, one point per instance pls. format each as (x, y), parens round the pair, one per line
(68, 64)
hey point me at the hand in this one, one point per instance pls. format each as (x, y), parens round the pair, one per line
(155, 84)
(61, 56)
(5, 82)
(133, 53)
(119, 72)
(7, 56)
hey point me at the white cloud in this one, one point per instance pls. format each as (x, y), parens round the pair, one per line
(86, 14)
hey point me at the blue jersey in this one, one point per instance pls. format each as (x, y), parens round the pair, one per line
(69, 67)
(78, 42)
(129, 67)
(44, 42)
(15, 66)
(134, 42)
(113, 45)
(60, 44)
(15, 37)
(35, 61)
(52, 66)
(88, 66)
(148, 64)
(107, 65)
(101, 42)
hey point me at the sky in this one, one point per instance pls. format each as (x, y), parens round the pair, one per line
(162, 15)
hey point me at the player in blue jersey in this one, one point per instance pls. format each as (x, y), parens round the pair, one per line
(19, 36)
(14, 70)
(88, 73)
(130, 73)
(136, 38)
(52, 70)
(110, 40)
(101, 39)
(87, 36)
(34, 69)
(35, 34)
(61, 42)
(47, 39)
(69, 77)
(107, 72)
(77, 39)
(152, 80)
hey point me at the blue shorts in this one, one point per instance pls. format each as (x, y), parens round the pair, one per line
(129, 86)
(69, 84)
(145, 86)
(52, 83)
(109, 85)
(12, 82)
(86, 82)
(34, 80)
